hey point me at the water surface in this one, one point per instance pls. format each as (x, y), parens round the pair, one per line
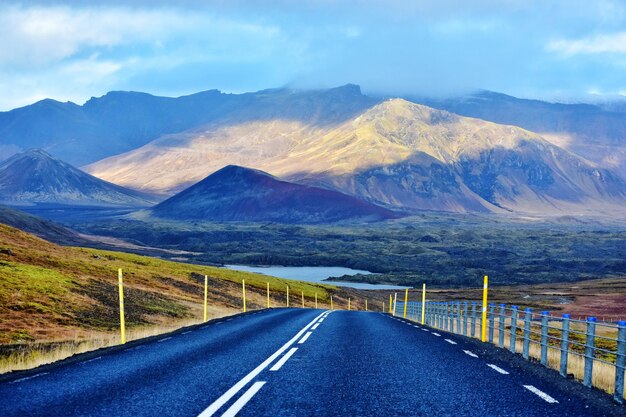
(314, 274)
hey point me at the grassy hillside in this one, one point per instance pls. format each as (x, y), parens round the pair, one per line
(51, 295)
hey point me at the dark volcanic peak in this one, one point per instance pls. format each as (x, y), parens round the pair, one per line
(36, 177)
(237, 193)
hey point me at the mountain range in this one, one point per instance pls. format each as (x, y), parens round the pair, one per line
(390, 152)
(241, 194)
(35, 176)
(594, 132)
(121, 121)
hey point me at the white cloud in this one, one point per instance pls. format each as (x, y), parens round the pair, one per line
(614, 43)
(37, 36)
(73, 53)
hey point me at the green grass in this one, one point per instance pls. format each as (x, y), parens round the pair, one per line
(50, 293)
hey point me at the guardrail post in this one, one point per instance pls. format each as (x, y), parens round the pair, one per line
(406, 301)
(458, 317)
(444, 320)
(473, 329)
(620, 361)
(544, 337)
(492, 323)
(527, 319)
(440, 315)
(501, 329)
(564, 345)
(206, 296)
(430, 314)
(450, 311)
(120, 282)
(465, 318)
(483, 312)
(513, 340)
(423, 300)
(589, 351)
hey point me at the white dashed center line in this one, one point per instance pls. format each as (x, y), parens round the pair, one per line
(315, 327)
(243, 400)
(224, 398)
(28, 377)
(541, 394)
(452, 342)
(304, 338)
(284, 359)
(470, 353)
(436, 334)
(497, 369)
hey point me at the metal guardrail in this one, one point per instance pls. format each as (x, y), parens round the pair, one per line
(591, 351)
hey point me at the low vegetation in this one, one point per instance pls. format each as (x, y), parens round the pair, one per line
(55, 301)
(441, 250)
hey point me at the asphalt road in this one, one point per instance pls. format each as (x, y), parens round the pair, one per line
(301, 362)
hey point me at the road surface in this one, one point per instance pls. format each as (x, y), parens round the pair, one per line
(301, 362)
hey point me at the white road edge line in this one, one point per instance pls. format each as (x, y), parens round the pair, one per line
(217, 404)
(28, 377)
(135, 348)
(470, 353)
(187, 332)
(452, 342)
(541, 394)
(306, 336)
(497, 369)
(243, 400)
(315, 327)
(284, 359)
(92, 360)
(163, 340)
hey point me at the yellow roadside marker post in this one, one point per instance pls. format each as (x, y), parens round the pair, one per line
(383, 306)
(395, 303)
(302, 299)
(287, 295)
(122, 322)
(423, 302)
(316, 300)
(349, 307)
(331, 302)
(390, 303)
(366, 304)
(243, 284)
(268, 295)
(483, 323)
(406, 301)
(206, 296)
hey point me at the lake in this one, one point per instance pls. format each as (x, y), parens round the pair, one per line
(314, 274)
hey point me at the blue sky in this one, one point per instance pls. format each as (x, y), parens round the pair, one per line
(550, 49)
